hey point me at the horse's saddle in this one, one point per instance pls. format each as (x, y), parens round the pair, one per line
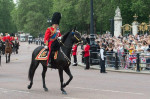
(43, 55)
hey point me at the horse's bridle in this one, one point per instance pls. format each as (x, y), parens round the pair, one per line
(74, 37)
(69, 61)
(77, 37)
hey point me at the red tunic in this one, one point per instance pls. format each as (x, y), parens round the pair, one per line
(4, 38)
(48, 37)
(12, 38)
(49, 33)
(86, 50)
(15, 38)
(0, 38)
(8, 38)
(74, 50)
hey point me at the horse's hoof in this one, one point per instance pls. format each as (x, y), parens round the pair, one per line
(29, 86)
(46, 89)
(64, 92)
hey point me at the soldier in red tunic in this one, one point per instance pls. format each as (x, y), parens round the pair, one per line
(16, 38)
(8, 38)
(12, 37)
(1, 37)
(51, 34)
(86, 55)
(74, 53)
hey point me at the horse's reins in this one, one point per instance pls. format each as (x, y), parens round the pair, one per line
(67, 47)
(65, 56)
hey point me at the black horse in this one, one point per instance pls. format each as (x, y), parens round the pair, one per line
(15, 46)
(2, 47)
(61, 63)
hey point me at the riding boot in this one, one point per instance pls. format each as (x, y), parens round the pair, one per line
(49, 63)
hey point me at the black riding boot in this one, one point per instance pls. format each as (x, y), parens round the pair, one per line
(49, 63)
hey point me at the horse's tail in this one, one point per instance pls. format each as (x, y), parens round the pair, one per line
(30, 74)
(34, 63)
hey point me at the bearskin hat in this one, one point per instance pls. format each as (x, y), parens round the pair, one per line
(56, 18)
(12, 34)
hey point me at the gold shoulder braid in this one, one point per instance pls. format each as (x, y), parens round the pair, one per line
(52, 32)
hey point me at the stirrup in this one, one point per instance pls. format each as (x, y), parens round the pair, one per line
(49, 65)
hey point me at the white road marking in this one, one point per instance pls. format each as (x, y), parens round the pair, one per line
(9, 90)
(73, 98)
(114, 91)
(124, 92)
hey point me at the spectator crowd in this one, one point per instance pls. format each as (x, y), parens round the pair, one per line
(126, 48)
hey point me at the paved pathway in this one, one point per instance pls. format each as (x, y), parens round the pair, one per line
(86, 84)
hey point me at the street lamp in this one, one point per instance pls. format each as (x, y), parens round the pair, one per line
(92, 38)
(135, 17)
(94, 60)
(112, 26)
(49, 21)
(149, 19)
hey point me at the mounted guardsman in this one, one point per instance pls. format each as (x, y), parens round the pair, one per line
(8, 38)
(51, 34)
(16, 38)
(1, 41)
(1, 37)
(12, 37)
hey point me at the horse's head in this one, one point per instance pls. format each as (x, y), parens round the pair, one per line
(7, 44)
(76, 38)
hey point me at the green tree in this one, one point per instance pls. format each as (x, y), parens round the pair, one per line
(6, 22)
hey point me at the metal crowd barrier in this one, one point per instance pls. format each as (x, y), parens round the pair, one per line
(112, 59)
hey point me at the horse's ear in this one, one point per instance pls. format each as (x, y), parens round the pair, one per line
(73, 30)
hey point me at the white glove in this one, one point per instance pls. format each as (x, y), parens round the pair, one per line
(46, 47)
(59, 38)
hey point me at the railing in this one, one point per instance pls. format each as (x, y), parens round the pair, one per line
(122, 61)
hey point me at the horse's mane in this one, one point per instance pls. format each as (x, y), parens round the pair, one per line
(65, 36)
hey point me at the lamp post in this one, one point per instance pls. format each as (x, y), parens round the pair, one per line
(92, 39)
(49, 21)
(94, 60)
(135, 17)
(149, 19)
(112, 26)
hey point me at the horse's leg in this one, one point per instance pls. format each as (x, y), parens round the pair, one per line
(6, 57)
(9, 58)
(16, 50)
(33, 66)
(0, 58)
(43, 77)
(61, 80)
(67, 70)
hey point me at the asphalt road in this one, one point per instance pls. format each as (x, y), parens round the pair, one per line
(86, 84)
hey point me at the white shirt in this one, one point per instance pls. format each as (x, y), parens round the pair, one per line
(102, 53)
